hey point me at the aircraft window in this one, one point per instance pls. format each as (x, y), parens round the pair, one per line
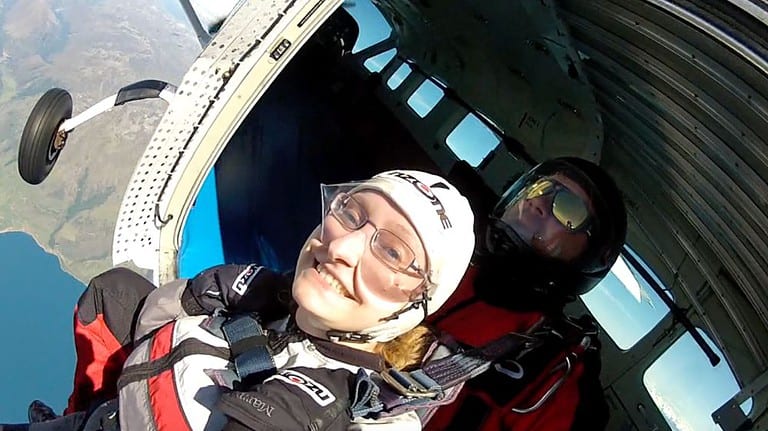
(472, 140)
(425, 98)
(625, 304)
(687, 388)
(373, 26)
(399, 76)
(378, 61)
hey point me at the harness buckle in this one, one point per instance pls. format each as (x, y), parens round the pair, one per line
(405, 384)
(352, 337)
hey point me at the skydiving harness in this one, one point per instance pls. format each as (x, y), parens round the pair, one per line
(249, 349)
(518, 357)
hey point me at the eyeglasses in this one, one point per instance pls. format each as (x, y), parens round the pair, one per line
(567, 207)
(386, 246)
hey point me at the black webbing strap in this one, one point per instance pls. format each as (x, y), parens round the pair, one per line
(460, 367)
(248, 344)
(407, 390)
(189, 346)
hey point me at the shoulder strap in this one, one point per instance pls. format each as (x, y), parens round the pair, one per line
(428, 386)
(248, 343)
(249, 347)
(190, 346)
(401, 391)
(551, 364)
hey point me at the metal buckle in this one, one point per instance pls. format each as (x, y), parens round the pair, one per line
(352, 337)
(405, 384)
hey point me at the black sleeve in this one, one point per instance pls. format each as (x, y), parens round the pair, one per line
(316, 399)
(238, 288)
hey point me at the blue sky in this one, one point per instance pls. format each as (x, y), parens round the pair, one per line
(682, 382)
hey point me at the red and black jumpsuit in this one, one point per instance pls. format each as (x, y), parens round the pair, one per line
(486, 404)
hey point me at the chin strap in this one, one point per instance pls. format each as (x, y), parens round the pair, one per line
(359, 337)
(422, 302)
(501, 239)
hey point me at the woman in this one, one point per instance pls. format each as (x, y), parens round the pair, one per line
(389, 252)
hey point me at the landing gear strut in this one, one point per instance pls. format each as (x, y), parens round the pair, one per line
(50, 121)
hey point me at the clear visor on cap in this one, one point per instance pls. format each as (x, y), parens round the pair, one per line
(387, 262)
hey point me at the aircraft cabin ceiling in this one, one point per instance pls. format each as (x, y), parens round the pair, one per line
(683, 90)
(670, 96)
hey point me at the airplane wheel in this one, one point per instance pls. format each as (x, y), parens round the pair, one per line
(41, 141)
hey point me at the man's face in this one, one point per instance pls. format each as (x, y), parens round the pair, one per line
(536, 224)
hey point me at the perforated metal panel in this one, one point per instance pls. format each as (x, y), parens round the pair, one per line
(139, 221)
(212, 100)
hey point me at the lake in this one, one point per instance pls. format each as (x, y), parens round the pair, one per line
(38, 356)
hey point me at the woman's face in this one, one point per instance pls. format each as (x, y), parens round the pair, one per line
(342, 281)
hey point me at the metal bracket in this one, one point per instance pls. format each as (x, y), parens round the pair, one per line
(729, 416)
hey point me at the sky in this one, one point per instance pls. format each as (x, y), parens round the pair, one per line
(36, 329)
(682, 382)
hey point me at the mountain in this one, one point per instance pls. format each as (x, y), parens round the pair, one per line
(91, 48)
(29, 18)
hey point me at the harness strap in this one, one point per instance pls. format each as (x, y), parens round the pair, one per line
(190, 346)
(248, 343)
(462, 366)
(401, 391)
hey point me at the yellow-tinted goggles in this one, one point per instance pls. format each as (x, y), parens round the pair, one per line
(567, 208)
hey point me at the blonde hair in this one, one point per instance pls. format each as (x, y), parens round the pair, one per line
(407, 350)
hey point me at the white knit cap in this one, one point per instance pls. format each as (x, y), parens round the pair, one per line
(444, 222)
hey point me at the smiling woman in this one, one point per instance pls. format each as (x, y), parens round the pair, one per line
(35, 335)
(388, 252)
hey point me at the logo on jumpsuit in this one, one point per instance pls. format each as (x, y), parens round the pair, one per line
(315, 390)
(427, 192)
(258, 404)
(240, 285)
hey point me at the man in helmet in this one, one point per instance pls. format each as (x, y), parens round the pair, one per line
(554, 235)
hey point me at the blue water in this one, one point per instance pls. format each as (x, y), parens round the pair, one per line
(37, 356)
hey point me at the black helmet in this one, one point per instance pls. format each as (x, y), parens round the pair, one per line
(531, 277)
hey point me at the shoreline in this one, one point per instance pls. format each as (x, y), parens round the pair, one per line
(44, 248)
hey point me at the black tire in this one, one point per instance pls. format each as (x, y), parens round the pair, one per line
(37, 153)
